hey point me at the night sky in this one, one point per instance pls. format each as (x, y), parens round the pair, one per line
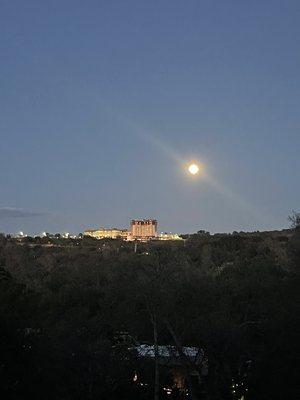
(102, 102)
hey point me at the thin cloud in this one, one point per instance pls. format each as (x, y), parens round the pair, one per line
(12, 212)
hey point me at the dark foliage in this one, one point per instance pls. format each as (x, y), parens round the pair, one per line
(63, 302)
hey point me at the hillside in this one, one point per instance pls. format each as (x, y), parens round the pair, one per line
(65, 303)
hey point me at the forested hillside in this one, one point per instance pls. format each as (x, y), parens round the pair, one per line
(64, 304)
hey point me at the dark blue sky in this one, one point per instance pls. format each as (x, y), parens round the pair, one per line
(100, 100)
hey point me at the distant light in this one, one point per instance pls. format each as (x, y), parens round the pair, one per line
(193, 169)
(168, 390)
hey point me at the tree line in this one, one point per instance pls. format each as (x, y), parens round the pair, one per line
(63, 307)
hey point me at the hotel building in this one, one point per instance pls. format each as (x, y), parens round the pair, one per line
(103, 233)
(143, 229)
(140, 229)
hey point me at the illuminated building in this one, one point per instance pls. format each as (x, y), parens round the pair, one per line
(169, 236)
(140, 229)
(110, 233)
(143, 229)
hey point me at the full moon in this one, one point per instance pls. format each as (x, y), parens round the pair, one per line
(193, 169)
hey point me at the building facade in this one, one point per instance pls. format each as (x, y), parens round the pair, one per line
(143, 229)
(103, 233)
(169, 236)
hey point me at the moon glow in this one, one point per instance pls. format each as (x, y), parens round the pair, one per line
(193, 169)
